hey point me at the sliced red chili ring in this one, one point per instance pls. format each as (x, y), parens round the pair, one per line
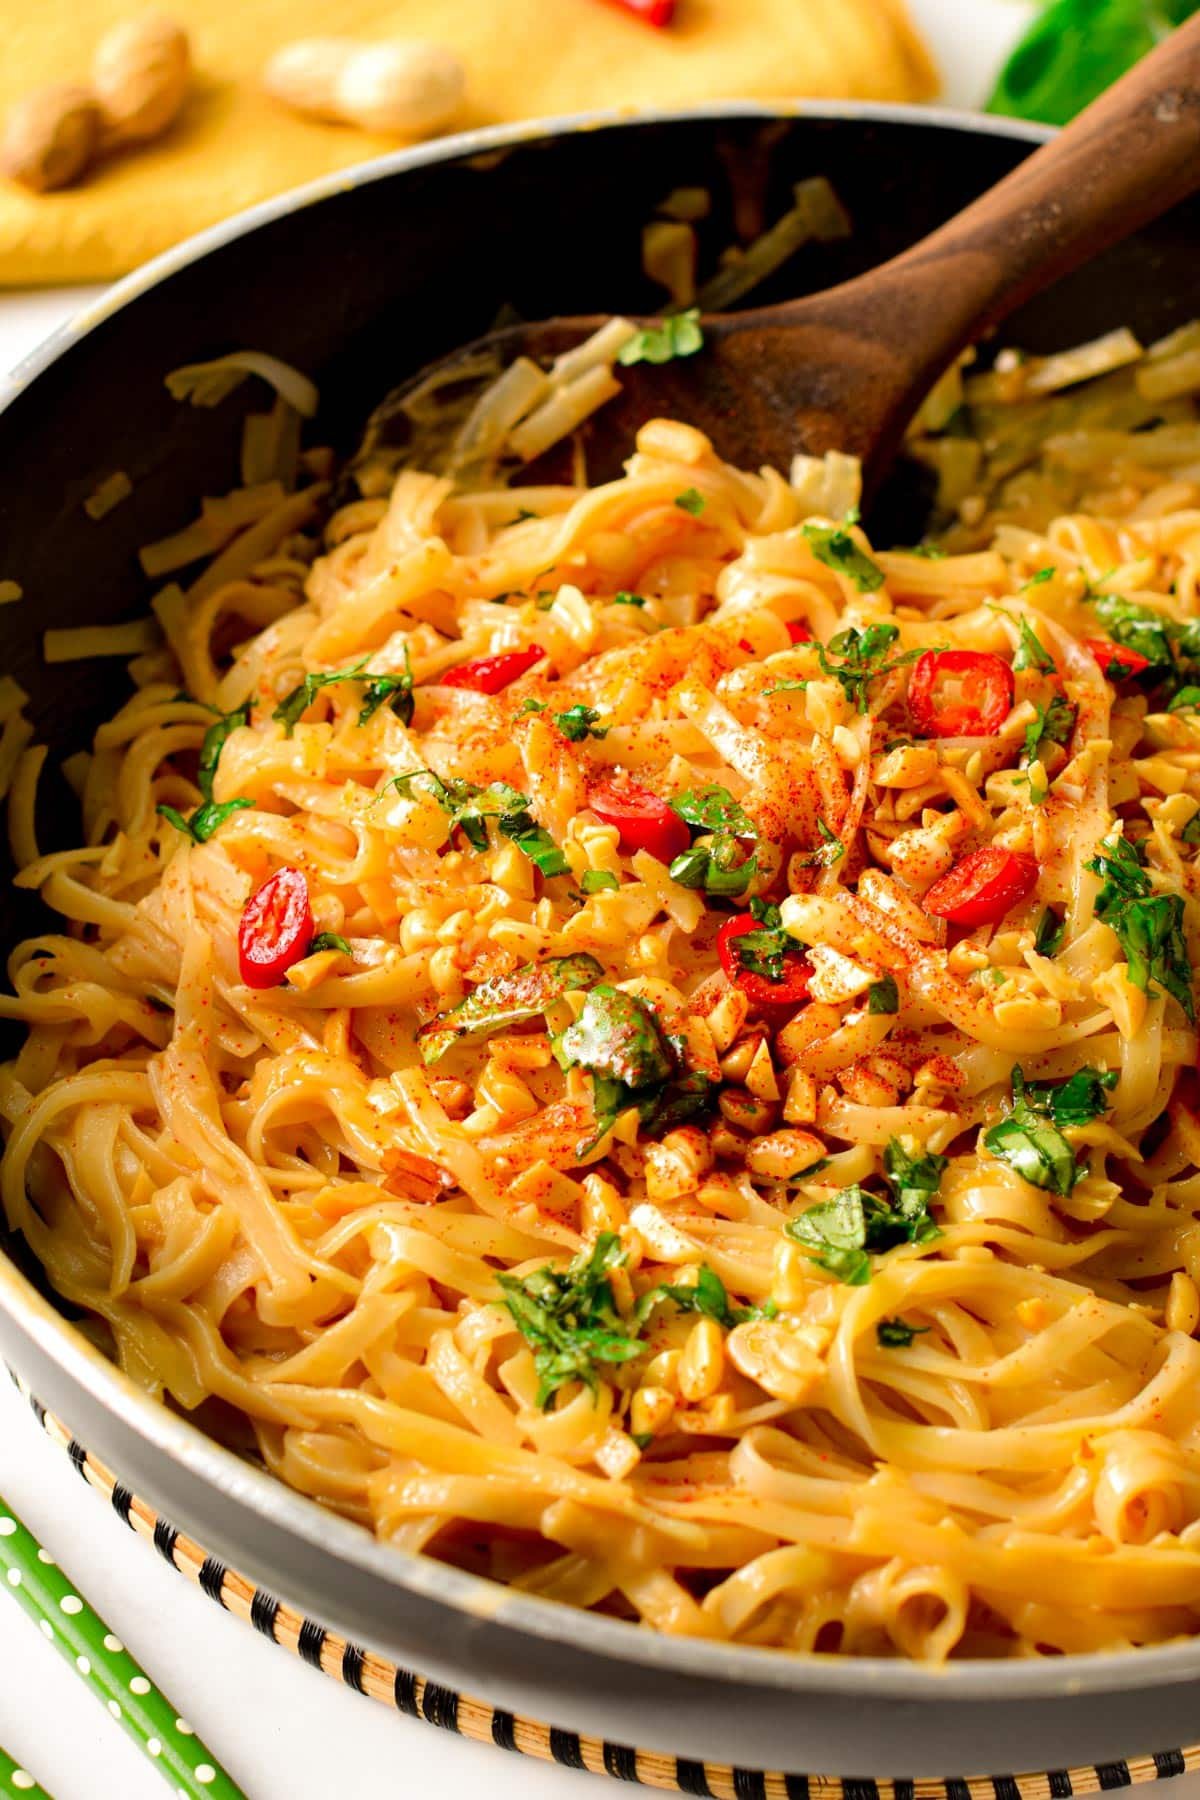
(1117, 660)
(644, 821)
(982, 887)
(275, 930)
(654, 12)
(759, 989)
(960, 693)
(489, 674)
(798, 632)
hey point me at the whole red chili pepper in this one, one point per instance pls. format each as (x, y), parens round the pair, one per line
(644, 821)
(276, 929)
(760, 989)
(960, 693)
(983, 886)
(489, 674)
(1117, 660)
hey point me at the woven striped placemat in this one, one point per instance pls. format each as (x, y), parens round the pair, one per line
(473, 1718)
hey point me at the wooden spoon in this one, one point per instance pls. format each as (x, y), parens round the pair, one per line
(846, 368)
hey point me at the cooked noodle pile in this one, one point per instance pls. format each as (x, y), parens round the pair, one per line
(824, 1281)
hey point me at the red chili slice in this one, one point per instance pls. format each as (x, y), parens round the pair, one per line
(654, 12)
(797, 970)
(276, 929)
(798, 632)
(960, 693)
(644, 821)
(1117, 661)
(981, 888)
(489, 674)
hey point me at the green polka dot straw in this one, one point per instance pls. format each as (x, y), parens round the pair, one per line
(64, 1616)
(14, 1780)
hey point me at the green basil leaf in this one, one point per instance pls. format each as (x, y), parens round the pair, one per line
(596, 881)
(214, 743)
(678, 335)
(579, 722)
(1148, 925)
(713, 808)
(833, 545)
(883, 996)
(1031, 652)
(329, 940)
(205, 820)
(617, 1036)
(894, 1334)
(1049, 936)
(506, 1000)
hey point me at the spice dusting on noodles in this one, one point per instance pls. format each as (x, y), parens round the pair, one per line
(644, 1044)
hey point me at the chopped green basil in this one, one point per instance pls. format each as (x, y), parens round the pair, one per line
(713, 808)
(596, 881)
(883, 996)
(1148, 925)
(1186, 700)
(214, 743)
(1049, 936)
(861, 656)
(714, 864)
(205, 820)
(1031, 652)
(329, 940)
(894, 1334)
(579, 722)
(833, 545)
(396, 689)
(1030, 1142)
(690, 501)
(831, 851)
(570, 1319)
(842, 1232)
(1053, 725)
(506, 1000)
(679, 335)
(624, 599)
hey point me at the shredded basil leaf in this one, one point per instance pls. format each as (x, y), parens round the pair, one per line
(1029, 1140)
(861, 656)
(831, 851)
(570, 1318)
(841, 1233)
(506, 1000)
(883, 996)
(1031, 652)
(1186, 700)
(1148, 925)
(894, 1334)
(329, 940)
(1053, 725)
(716, 865)
(1049, 936)
(579, 722)
(624, 599)
(214, 743)
(205, 820)
(679, 335)
(596, 881)
(833, 545)
(396, 689)
(690, 501)
(713, 808)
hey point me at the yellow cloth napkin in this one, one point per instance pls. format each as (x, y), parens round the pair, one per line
(233, 146)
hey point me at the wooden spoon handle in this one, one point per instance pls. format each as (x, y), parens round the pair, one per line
(1132, 155)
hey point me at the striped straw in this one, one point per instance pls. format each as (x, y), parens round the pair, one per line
(18, 1782)
(56, 1606)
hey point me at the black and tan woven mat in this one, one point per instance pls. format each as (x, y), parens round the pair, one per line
(472, 1718)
